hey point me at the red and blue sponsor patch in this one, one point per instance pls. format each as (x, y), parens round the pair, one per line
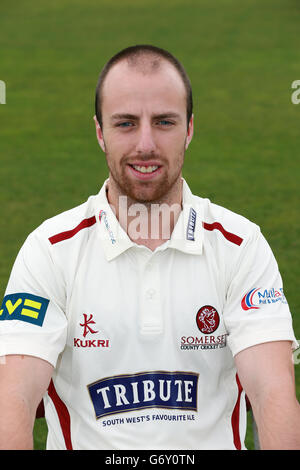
(257, 297)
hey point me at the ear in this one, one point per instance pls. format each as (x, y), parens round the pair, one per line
(190, 132)
(99, 134)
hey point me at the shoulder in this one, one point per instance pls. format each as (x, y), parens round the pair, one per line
(64, 226)
(224, 226)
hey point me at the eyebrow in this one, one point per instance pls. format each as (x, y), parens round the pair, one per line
(169, 115)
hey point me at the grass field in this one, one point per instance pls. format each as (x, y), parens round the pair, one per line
(241, 57)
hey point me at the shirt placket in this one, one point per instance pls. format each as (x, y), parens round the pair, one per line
(150, 300)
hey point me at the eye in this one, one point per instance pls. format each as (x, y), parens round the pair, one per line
(164, 122)
(124, 124)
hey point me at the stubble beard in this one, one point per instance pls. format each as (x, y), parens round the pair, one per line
(147, 210)
(146, 192)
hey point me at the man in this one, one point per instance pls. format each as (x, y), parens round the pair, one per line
(145, 316)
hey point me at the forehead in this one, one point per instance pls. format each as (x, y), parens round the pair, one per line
(143, 85)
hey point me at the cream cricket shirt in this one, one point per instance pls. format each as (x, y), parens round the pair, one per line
(143, 342)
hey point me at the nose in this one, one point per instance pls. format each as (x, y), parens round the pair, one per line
(145, 139)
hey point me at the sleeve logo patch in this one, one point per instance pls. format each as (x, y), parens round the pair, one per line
(257, 297)
(25, 307)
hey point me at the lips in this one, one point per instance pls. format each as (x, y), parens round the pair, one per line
(145, 170)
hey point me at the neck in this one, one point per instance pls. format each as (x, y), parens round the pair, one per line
(147, 223)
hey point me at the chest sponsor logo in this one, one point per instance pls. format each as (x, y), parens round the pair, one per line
(155, 389)
(258, 297)
(25, 307)
(88, 329)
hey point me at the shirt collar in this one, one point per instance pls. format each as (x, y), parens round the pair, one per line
(187, 235)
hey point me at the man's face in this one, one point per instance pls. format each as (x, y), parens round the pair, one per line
(144, 132)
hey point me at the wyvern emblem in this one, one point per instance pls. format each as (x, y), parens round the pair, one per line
(207, 319)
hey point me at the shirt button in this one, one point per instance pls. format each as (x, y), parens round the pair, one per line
(150, 293)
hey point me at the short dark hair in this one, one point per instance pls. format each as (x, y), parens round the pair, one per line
(136, 52)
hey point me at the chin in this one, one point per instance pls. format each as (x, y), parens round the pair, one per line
(144, 198)
(147, 195)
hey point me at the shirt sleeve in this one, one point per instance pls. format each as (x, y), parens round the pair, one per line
(256, 309)
(32, 314)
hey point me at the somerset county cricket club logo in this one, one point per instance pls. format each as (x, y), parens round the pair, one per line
(207, 319)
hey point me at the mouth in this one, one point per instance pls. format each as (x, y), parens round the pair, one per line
(145, 171)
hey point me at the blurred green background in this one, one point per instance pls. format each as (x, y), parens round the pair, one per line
(242, 58)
